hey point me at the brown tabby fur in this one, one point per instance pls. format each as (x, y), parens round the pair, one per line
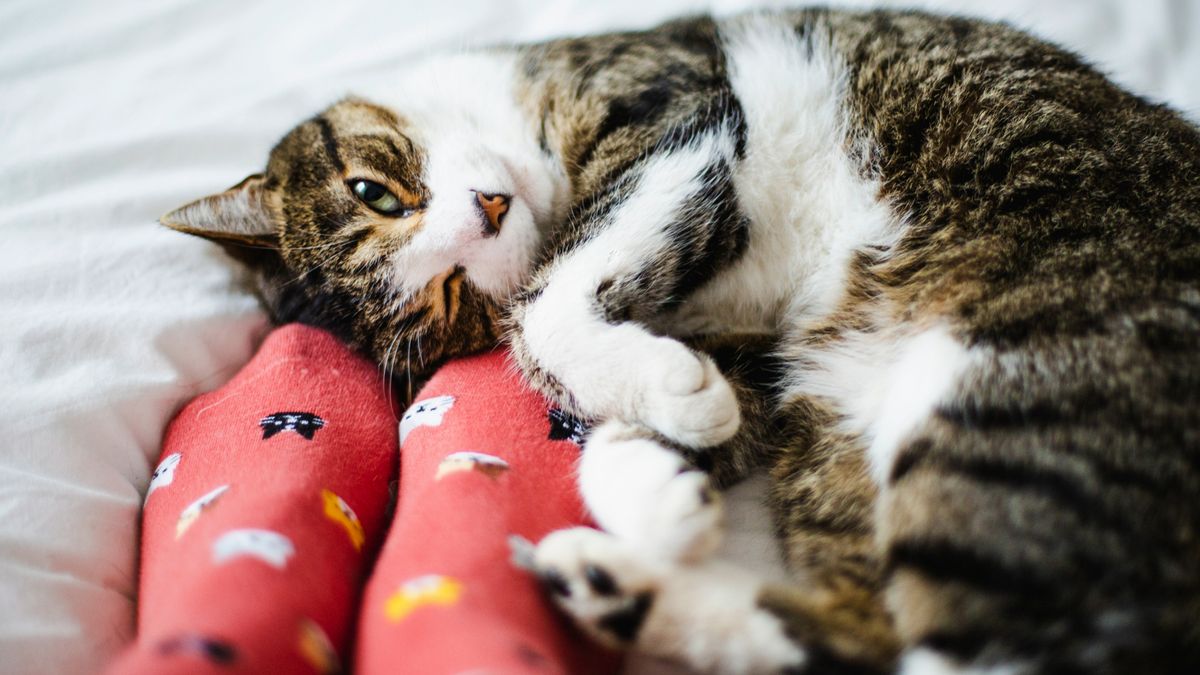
(1050, 515)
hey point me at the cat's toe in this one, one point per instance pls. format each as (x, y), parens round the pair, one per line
(688, 400)
(599, 582)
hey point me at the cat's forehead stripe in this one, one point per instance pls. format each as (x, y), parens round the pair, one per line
(363, 138)
(330, 143)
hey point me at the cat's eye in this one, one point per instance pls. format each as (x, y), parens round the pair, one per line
(379, 198)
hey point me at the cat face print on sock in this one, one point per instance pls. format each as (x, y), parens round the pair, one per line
(216, 651)
(430, 589)
(488, 465)
(566, 427)
(305, 424)
(426, 413)
(317, 649)
(270, 547)
(164, 473)
(193, 511)
(337, 510)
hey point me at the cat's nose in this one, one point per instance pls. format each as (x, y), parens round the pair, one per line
(494, 208)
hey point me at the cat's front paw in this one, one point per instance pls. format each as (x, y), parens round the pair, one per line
(649, 495)
(684, 397)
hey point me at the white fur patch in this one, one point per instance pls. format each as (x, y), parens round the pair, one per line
(884, 384)
(708, 617)
(424, 413)
(925, 373)
(924, 661)
(809, 206)
(637, 225)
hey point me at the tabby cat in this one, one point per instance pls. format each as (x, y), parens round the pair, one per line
(940, 278)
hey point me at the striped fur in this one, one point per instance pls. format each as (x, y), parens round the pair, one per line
(940, 278)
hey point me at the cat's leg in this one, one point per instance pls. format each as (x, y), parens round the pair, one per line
(661, 498)
(717, 618)
(824, 502)
(708, 615)
(721, 619)
(659, 231)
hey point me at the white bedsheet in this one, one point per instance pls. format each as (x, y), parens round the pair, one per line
(113, 112)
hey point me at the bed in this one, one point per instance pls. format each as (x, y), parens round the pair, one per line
(114, 112)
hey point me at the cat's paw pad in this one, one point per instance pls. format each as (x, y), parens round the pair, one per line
(599, 582)
(708, 616)
(686, 398)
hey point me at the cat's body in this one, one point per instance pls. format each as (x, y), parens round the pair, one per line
(952, 274)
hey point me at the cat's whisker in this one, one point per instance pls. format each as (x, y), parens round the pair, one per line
(335, 247)
(389, 370)
(317, 247)
(315, 266)
(408, 369)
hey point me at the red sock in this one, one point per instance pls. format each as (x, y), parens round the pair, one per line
(481, 459)
(263, 513)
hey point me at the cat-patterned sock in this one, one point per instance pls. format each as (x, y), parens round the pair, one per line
(482, 458)
(263, 513)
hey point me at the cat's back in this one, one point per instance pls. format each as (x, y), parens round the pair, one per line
(925, 129)
(1039, 218)
(1001, 138)
(1042, 402)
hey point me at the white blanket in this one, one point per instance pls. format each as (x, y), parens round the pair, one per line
(113, 112)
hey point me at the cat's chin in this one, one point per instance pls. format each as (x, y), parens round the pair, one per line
(499, 288)
(499, 265)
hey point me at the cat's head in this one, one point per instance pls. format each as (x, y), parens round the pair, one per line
(404, 234)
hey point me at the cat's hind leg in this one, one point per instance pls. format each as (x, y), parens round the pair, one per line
(650, 585)
(652, 589)
(709, 615)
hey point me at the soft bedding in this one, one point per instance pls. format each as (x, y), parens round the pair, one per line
(112, 113)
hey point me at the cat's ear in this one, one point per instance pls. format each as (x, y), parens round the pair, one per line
(237, 217)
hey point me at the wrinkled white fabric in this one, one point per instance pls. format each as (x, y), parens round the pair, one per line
(113, 112)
